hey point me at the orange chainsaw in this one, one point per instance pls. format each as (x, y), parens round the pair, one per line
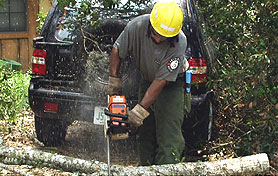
(116, 125)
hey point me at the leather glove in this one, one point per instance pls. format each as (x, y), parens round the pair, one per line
(185, 64)
(137, 115)
(115, 86)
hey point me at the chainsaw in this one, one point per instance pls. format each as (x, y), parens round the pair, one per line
(116, 125)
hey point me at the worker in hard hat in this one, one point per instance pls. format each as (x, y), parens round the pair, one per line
(158, 45)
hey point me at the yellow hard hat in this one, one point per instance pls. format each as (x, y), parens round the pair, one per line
(166, 18)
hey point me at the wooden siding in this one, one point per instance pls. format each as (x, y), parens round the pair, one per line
(19, 46)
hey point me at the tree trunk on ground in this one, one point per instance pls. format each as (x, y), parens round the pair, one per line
(249, 165)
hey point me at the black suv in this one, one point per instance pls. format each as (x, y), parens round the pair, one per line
(70, 72)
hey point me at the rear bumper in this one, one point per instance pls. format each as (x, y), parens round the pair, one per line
(71, 105)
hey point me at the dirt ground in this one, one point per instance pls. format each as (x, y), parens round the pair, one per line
(83, 140)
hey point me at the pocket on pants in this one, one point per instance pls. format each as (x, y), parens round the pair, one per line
(187, 103)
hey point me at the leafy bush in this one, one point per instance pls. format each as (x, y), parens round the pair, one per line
(245, 70)
(13, 95)
(40, 21)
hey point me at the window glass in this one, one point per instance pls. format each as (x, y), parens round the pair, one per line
(17, 5)
(4, 22)
(17, 22)
(13, 18)
(65, 27)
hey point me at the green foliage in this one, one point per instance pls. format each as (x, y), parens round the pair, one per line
(87, 15)
(244, 73)
(67, 3)
(13, 95)
(106, 3)
(109, 4)
(1, 5)
(89, 11)
(40, 21)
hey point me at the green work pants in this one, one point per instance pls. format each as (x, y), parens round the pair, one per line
(160, 139)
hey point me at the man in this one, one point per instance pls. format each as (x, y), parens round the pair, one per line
(158, 44)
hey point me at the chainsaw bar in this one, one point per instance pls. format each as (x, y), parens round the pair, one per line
(116, 125)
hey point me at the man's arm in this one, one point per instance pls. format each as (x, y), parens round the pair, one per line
(152, 93)
(115, 63)
(137, 115)
(115, 83)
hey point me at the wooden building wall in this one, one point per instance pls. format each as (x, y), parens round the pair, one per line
(19, 46)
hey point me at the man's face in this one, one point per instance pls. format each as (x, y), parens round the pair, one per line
(157, 38)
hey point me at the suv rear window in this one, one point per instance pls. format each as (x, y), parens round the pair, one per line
(65, 27)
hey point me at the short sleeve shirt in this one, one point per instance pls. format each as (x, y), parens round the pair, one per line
(155, 61)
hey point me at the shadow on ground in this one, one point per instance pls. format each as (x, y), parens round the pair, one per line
(86, 141)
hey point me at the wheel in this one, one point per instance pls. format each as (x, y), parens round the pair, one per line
(197, 128)
(203, 123)
(51, 132)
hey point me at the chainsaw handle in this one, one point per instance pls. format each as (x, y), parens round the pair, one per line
(106, 112)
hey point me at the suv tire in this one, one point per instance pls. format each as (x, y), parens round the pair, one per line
(51, 132)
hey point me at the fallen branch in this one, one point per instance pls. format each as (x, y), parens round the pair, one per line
(12, 155)
(34, 138)
(249, 165)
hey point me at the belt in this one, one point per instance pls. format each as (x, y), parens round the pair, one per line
(181, 75)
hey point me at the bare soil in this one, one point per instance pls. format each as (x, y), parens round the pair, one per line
(83, 140)
(86, 141)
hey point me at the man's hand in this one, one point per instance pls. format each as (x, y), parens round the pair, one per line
(115, 86)
(137, 115)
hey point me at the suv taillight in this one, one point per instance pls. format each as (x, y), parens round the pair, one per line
(198, 66)
(38, 64)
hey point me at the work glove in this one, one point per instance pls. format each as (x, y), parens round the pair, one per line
(185, 64)
(115, 86)
(137, 115)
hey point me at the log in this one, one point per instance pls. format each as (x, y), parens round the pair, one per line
(248, 165)
(29, 156)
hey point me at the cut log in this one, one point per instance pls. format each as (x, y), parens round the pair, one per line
(248, 165)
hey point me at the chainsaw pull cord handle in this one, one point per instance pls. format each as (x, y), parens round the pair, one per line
(106, 112)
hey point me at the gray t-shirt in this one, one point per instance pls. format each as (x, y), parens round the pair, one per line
(155, 61)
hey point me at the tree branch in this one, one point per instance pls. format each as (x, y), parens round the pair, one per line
(254, 164)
